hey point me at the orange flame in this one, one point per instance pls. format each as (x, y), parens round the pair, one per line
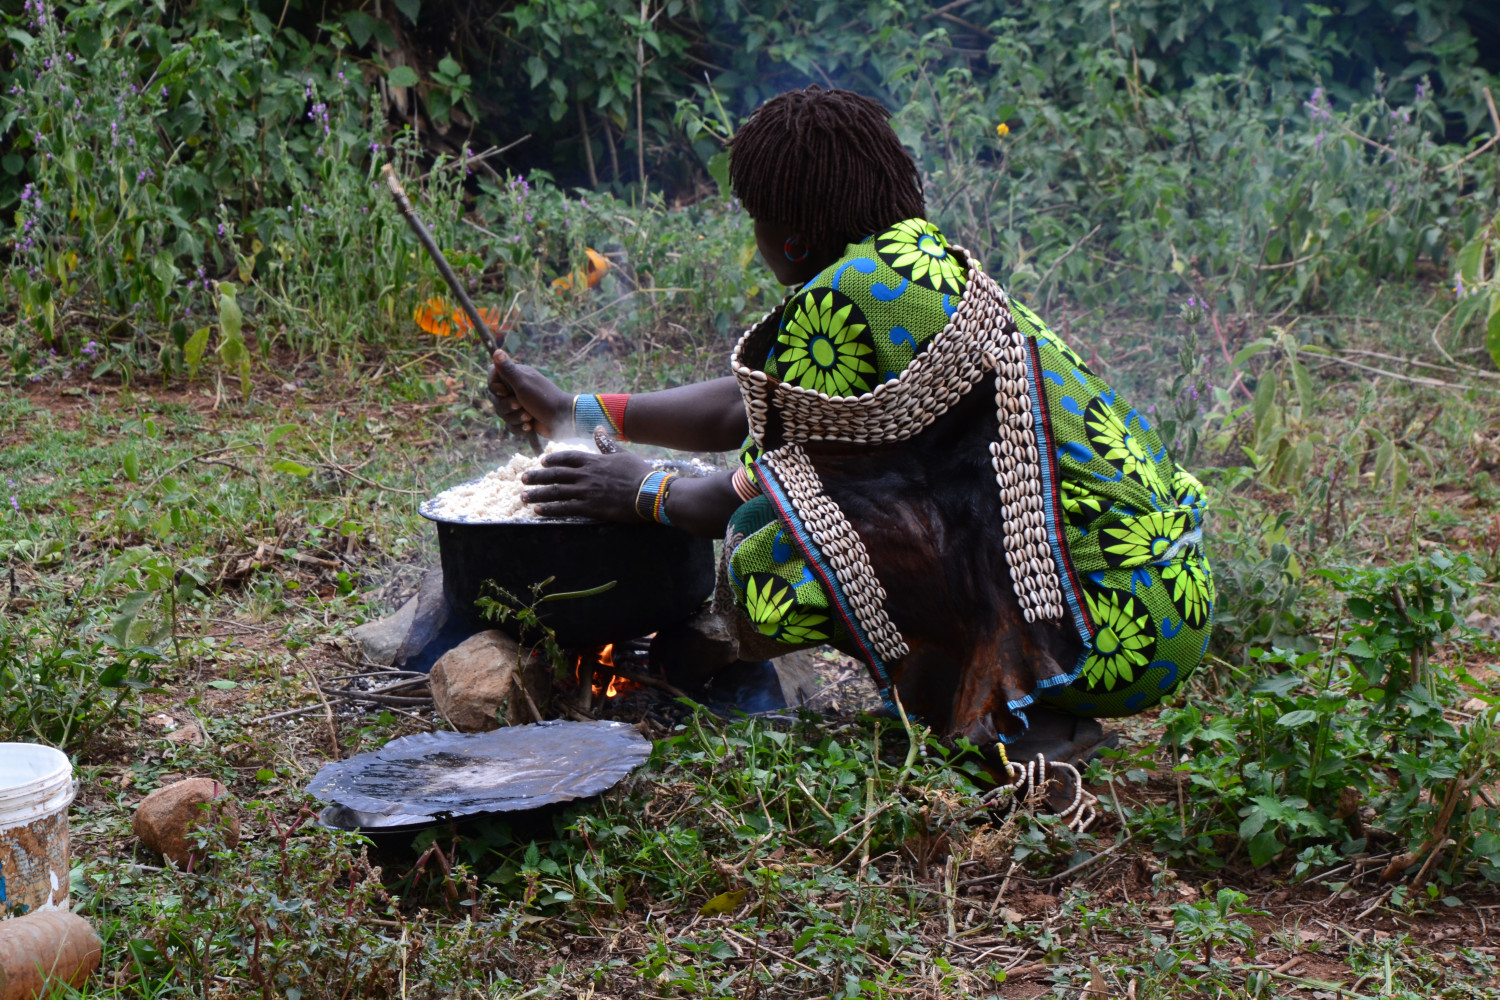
(607, 658)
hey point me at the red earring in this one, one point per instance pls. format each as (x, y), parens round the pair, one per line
(790, 248)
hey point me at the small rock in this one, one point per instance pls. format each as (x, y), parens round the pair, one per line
(1487, 624)
(380, 640)
(166, 820)
(189, 734)
(474, 680)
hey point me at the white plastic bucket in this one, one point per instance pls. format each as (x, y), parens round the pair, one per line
(36, 787)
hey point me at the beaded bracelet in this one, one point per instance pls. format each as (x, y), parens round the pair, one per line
(651, 498)
(608, 410)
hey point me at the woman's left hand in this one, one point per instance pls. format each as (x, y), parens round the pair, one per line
(582, 484)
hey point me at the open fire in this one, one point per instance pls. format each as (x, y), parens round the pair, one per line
(597, 670)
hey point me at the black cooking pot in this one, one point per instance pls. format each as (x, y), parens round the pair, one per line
(661, 575)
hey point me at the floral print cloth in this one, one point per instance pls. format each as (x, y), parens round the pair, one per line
(1139, 589)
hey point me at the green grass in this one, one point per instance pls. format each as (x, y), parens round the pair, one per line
(181, 541)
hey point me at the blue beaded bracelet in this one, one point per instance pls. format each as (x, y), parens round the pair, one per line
(651, 498)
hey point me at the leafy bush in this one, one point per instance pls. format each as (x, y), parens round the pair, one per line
(62, 683)
(156, 153)
(1293, 756)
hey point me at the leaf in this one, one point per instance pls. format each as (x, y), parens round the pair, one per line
(132, 467)
(292, 468)
(1263, 848)
(718, 169)
(1303, 381)
(125, 616)
(1384, 456)
(193, 350)
(1492, 328)
(1280, 685)
(223, 685)
(1299, 717)
(401, 76)
(410, 8)
(361, 26)
(231, 320)
(1251, 350)
(1264, 410)
(1468, 261)
(113, 675)
(724, 902)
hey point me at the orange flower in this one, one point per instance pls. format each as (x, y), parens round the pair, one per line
(437, 317)
(598, 264)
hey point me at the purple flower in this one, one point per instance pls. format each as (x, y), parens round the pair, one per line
(15, 503)
(1318, 107)
(221, 230)
(165, 91)
(1421, 89)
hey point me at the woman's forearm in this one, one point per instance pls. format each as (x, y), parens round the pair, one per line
(706, 416)
(703, 507)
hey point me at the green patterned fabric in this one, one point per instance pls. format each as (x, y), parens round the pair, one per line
(773, 584)
(1137, 582)
(1141, 588)
(855, 324)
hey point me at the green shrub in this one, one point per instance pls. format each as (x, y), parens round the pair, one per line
(1289, 758)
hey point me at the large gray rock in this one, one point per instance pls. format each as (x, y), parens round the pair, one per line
(380, 640)
(478, 682)
(429, 618)
(800, 674)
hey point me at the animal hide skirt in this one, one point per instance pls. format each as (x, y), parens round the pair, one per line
(981, 551)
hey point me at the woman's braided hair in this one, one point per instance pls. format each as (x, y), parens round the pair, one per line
(828, 164)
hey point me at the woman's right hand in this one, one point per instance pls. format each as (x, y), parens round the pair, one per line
(528, 401)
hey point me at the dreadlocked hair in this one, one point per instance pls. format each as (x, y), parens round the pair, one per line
(828, 164)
